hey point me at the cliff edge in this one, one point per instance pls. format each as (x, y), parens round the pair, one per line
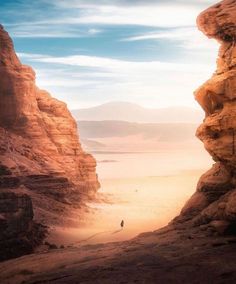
(214, 203)
(44, 172)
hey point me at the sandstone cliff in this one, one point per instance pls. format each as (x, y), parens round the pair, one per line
(41, 159)
(214, 203)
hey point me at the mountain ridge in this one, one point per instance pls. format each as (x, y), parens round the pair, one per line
(133, 112)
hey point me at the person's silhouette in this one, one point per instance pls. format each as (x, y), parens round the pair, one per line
(122, 224)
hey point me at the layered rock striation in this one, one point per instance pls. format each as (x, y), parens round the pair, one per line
(214, 202)
(41, 159)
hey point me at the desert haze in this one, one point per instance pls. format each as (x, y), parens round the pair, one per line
(135, 113)
(111, 193)
(146, 171)
(124, 136)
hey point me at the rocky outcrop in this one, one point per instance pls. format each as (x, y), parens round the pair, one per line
(214, 203)
(40, 154)
(19, 234)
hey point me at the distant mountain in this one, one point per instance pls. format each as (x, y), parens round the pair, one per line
(164, 132)
(126, 111)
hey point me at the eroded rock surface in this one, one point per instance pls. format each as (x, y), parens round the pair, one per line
(19, 234)
(214, 203)
(40, 154)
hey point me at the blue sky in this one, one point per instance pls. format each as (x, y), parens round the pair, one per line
(90, 52)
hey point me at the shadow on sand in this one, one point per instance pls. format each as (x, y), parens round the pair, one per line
(97, 234)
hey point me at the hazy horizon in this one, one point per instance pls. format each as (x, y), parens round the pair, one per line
(109, 102)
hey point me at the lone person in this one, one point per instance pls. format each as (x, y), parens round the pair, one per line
(122, 224)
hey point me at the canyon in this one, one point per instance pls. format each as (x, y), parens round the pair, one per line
(199, 245)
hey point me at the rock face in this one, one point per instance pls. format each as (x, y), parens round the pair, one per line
(19, 233)
(214, 203)
(41, 159)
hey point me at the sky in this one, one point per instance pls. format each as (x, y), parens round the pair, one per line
(91, 52)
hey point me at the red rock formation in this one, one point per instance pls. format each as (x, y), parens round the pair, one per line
(214, 203)
(40, 153)
(33, 114)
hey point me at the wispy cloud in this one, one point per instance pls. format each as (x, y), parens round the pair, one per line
(55, 30)
(150, 83)
(112, 64)
(77, 3)
(161, 13)
(58, 17)
(142, 51)
(174, 34)
(188, 38)
(55, 17)
(160, 16)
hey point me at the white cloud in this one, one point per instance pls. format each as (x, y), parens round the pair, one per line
(94, 31)
(52, 28)
(154, 14)
(189, 38)
(161, 16)
(76, 18)
(176, 34)
(30, 55)
(145, 13)
(116, 64)
(152, 83)
(76, 3)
